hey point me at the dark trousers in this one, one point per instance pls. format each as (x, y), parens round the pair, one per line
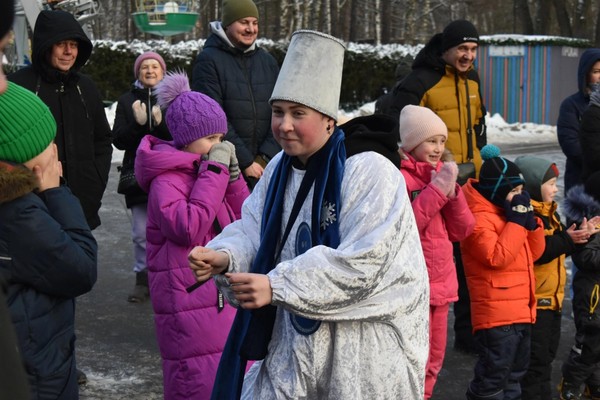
(463, 330)
(545, 337)
(583, 363)
(502, 362)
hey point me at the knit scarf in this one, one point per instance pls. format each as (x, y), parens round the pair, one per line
(251, 330)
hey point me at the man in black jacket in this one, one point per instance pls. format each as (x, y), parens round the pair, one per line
(60, 49)
(240, 76)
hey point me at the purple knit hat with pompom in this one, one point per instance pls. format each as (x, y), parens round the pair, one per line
(190, 115)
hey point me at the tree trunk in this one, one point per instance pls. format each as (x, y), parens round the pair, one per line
(581, 22)
(542, 17)
(353, 28)
(524, 17)
(562, 16)
(597, 34)
(385, 12)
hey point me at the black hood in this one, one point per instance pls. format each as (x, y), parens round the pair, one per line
(378, 133)
(430, 56)
(52, 27)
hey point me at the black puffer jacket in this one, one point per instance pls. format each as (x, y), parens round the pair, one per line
(127, 133)
(48, 257)
(83, 133)
(589, 137)
(577, 205)
(242, 83)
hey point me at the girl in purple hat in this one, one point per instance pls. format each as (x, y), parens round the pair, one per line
(194, 191)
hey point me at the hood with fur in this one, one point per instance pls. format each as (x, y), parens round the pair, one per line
(579, 204)
(15, 181)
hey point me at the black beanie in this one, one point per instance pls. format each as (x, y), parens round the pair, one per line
(457, 32)
(498, 176)
(7, 13)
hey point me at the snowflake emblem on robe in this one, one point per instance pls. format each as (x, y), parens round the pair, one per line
(327, 214)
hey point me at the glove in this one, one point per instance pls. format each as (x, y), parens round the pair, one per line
(139, 112)
(156, 115)
(221, 153)
(445, 180)
(531, 224)
(234, 167)
(519, 209)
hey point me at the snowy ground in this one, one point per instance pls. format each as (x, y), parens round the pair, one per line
(498, 131)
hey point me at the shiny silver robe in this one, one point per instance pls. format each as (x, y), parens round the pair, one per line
(371, 293)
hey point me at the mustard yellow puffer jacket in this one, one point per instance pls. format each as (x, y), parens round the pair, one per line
(549, 269)
(438, 86)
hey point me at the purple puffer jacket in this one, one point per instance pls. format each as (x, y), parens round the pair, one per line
(441, 221)
(185, 197)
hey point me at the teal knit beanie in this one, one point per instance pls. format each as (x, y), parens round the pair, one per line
(26, 125)
(237, 9)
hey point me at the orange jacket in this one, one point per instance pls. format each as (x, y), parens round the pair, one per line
(498, 260)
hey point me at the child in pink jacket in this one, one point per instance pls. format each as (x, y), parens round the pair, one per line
(194, 191)
(442, 216)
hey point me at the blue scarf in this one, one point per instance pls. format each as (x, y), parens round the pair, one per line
(251, 330)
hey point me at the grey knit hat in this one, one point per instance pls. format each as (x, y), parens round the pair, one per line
(311, 73)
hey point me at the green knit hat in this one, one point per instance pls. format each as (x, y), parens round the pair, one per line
(237, 9)
(26, 125)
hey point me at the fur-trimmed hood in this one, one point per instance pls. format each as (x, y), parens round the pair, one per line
(579, 204)
(15, 181)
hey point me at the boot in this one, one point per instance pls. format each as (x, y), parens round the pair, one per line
(568, 391)
(140, 291)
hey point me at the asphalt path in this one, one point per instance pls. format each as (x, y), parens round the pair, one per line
(116, 344)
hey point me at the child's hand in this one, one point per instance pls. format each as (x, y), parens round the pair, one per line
(49, 170)
(579, 236)
(207, 262)
(592, 226)
(445, 180)
(252, 291)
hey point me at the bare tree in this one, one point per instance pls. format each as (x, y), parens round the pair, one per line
(581, 22)
(523, 17)
(542, 17)
(562, 16)
(597, 35)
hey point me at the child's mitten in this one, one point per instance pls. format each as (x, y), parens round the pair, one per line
(531, 223)
(234, 167)
(221, 153)
(519, 209)
(445, 180)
